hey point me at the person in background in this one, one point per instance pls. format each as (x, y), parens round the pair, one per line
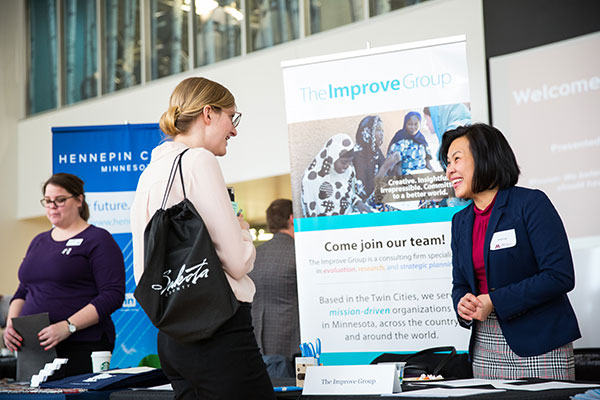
(202, 117)
(439, 119)
(329, 185)
(412, 146)
(75, 273)
(511, 263)
(275, 307)
(369, 162)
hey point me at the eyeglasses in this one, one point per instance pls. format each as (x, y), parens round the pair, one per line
(235, 118)
(57, 202)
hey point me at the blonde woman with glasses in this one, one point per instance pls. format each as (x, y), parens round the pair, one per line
(202, 117)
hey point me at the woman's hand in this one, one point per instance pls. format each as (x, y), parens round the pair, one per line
(12, 339)
(53, 334)
(363, 208)
(389, 164)
(486, 307)
(468, 306)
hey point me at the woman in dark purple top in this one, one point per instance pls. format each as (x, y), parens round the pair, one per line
(74, 272)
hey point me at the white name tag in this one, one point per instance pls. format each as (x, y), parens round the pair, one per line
(74, 242)
(503, 240)
(351, 379)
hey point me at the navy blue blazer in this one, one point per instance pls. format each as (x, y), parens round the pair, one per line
(529, 270)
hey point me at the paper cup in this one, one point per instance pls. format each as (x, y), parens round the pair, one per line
(100, 361)
(301, 364)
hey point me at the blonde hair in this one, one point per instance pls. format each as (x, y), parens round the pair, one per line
(188, 101)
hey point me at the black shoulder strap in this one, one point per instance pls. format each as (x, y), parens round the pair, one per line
(174, 167)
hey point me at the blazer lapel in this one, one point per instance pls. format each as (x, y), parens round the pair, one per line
(497, 211)
(467, 249)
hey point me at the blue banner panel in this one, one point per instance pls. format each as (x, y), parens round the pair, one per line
(110, 160)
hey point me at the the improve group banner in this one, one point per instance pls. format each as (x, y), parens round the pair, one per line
(110, 160)
(372, 205)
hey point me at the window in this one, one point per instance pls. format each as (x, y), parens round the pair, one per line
(80, 67)
(218, 34)
(81, 49)
(42, 72)
(327, 14)
(378, 7)
(272, 22)
(169, 37)
(121, 61)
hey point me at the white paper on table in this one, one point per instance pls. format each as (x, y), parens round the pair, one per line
(165, 387)
(134, 370)
(544, 386)
(162, 387)
(443, 392)
(465, 382)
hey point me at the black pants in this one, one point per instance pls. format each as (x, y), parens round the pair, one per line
(79, 355)
(228, 366)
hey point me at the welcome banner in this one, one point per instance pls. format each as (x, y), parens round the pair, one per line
(110, 160)
(372, 205)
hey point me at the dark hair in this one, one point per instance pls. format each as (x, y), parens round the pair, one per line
(73, 185)
(495, 161)
(278, 214)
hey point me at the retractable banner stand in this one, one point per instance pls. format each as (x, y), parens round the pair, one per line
(110, 160)
(373, 237)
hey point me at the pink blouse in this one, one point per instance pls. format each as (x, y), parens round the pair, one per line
(480, 224)
(205, 188)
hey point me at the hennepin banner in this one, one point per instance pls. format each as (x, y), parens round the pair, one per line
(110, 160)
(372, 205)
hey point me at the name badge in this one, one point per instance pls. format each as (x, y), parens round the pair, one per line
(74, 242)
(503, 240)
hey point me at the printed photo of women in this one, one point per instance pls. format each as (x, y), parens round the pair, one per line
(381, 149)
(329, 185)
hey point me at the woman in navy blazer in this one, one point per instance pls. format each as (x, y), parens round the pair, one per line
(512, 266)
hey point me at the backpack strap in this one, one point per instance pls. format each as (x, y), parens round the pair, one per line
(174, 167)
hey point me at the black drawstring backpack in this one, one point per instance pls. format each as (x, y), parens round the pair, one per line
(183, 290)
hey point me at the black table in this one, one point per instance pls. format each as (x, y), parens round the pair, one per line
(555, 394)
(169, 395)
(91, 395)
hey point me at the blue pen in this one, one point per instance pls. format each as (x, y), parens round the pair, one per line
(286, 388)
(318, 351)
(304, 350)
(307, 350)
(311, 350)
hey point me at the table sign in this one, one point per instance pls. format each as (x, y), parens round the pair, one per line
(352, 379)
